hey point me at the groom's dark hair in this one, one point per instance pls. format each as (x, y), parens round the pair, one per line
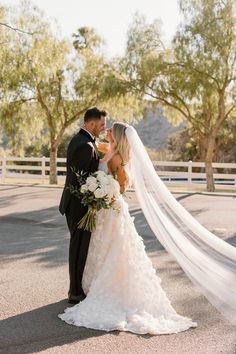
(94, 114)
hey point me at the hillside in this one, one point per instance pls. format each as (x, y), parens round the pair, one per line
(155, 130)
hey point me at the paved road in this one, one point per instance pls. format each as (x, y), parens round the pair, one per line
(34, 280)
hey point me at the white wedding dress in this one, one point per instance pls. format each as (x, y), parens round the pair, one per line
(123, 290)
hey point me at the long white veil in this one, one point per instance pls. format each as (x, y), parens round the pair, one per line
(206, 259)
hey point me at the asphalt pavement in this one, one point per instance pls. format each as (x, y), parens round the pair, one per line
(34, 280)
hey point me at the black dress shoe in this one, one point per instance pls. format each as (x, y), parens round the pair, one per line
(72, 299)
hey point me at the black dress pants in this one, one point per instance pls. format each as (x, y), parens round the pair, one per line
(78, 249)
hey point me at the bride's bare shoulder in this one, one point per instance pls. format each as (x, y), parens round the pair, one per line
(116, 167)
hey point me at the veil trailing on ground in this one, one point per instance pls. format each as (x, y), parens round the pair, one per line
(206, 259)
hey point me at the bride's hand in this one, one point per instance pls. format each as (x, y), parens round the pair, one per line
(103, 147)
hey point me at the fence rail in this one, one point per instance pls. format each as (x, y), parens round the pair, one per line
(189, 173)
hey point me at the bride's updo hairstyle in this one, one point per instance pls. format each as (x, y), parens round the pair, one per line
(120, 139)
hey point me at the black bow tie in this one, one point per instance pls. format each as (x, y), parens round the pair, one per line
(94, 140)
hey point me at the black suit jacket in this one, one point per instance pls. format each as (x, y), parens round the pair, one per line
(82, 155)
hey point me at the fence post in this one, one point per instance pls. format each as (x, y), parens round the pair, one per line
(190, 170)
(4, 168)
(43, 168)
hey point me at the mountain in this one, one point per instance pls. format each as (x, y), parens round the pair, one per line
(155, 129)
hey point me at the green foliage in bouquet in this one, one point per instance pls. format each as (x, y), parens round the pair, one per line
(81, 178)
(96, 191)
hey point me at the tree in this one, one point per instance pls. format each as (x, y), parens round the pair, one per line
(17, 121)
(102, 77)
(62, 85)
(57, 78)
(184, 145)
(196, 78)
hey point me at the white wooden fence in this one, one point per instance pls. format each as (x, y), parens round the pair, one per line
(36, 170)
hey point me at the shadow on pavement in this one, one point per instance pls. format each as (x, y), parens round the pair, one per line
(232, 240)
(144, 230)
(20, 194)
(42, 234)
(185, 195)
(40, 329)
(150, 240)
(10, 187)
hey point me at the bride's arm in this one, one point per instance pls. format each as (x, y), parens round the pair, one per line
(117, 169)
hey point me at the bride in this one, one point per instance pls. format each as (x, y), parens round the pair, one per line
(122, 287)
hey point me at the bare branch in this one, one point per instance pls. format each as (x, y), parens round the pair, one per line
(59, 96)
(46, 109)
(23, 100)
(77, 114)
(178, 98)
(230, 110)
(194, 69)
(16, 29)
(69, 122)
(64, 112)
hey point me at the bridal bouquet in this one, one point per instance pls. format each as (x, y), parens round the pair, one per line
(98, 191)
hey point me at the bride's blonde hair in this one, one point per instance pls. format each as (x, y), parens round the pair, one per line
(122, 145)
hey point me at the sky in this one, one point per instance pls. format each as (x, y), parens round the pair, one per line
(110, 18)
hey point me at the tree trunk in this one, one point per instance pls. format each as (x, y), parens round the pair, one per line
(208, 164)
(202, 152)
(209, 177)
(53, 164)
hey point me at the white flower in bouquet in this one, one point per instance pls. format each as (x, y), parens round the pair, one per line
(109, 193)
(102, 178)
(83, 188)
(110, 177)
(104, 181)
(101, 174)
(91, 180)
(91, 183)
(92, 187)
(110, 197)
(100, 193)
(114, 186)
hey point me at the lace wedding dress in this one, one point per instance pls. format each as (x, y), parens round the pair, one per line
(123, 291)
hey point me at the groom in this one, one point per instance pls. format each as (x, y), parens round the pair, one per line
(82, 155)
